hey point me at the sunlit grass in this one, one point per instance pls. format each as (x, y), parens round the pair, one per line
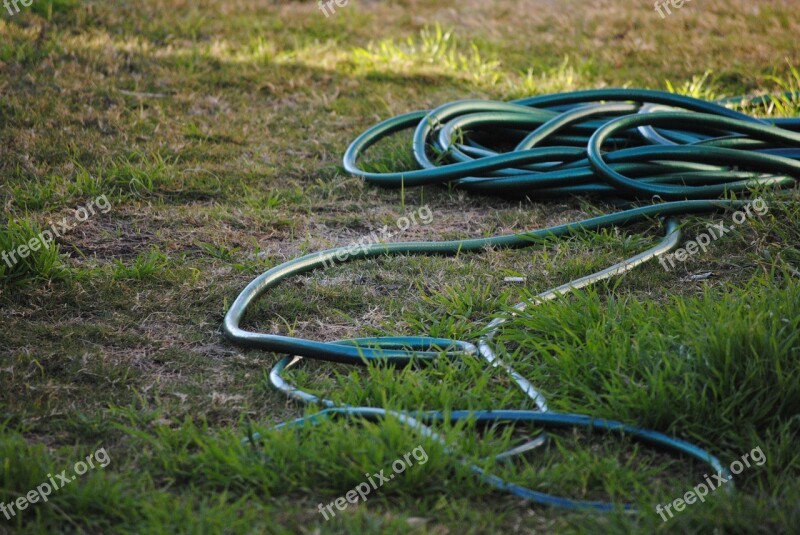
(433, 51)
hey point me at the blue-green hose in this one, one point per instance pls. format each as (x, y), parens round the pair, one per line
(672, 155)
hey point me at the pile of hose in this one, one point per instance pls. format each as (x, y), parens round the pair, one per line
(662, 154)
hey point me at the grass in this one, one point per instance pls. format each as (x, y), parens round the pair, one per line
(216, 130)
(29, 255)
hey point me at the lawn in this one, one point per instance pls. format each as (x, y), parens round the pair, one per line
(175, 150)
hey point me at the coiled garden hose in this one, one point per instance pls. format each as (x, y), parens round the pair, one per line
(667, 155)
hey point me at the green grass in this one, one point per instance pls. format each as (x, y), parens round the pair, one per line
(28, 253)
(216, 131)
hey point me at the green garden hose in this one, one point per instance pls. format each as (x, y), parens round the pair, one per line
(663, 154)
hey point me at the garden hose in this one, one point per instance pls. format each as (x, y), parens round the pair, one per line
(664, 155)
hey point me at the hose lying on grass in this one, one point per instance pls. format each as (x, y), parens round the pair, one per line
(672, 155)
